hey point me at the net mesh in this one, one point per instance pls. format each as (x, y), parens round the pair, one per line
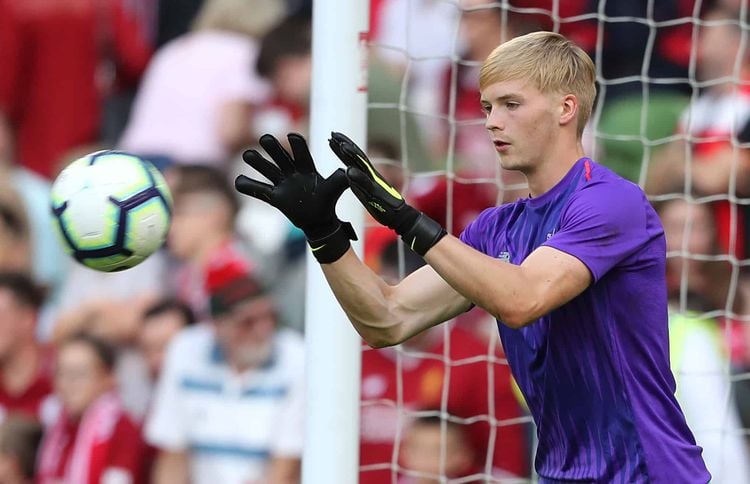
(667, 117)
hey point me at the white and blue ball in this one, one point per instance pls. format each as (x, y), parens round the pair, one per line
(111, 209)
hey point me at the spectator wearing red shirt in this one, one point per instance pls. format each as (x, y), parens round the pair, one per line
(25, 383)
(55, 59)
(424, 371)
(93, 440)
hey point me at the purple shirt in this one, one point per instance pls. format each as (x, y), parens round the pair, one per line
(595, 371)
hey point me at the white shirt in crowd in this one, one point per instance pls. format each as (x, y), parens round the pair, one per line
(230, 424)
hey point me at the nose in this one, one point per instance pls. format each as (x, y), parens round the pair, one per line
(494, 121)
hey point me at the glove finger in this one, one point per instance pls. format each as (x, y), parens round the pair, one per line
(343, 139)
(348, 151)
(265, 167)
(358, 159)
(302, 157)
(336, 148)
(277, 153)
(337, 183)
(253, 188)
(359, 180)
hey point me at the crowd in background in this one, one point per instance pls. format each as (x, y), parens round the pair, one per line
(190, 366)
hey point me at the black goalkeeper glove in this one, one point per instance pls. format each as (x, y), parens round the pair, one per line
(383, 201)
(306, 198)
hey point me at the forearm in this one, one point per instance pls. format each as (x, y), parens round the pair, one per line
(364, 298)
(387, 315)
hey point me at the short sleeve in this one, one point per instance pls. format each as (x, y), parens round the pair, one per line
(478, 230)
(602, 225)
(165, 425)
(469, 235)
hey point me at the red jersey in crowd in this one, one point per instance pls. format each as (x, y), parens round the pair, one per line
(103, 446)
(422, 388)
(31, 400)
(52, 78)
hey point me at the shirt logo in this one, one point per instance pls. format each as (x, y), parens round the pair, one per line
(504, 256)
(550, 234)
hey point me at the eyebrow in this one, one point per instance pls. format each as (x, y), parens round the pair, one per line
(505, 97)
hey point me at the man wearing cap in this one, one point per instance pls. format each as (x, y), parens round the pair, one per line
(229, 403)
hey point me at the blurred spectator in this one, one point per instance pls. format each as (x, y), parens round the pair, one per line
(195, 102)
(229, 403)
(639, 109)
(202, 235)
(19, 442)
(426, 445)
(60, 61)
(161, 322)
(707, 152)
(631, 49)
(420, 34)
(27, 239)
(285, 60)
(92, 440)
(694, 265)
(15, 234)
(698, 353)
(25, 380)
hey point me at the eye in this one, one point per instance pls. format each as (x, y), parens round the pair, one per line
(512, 105)
(486, 108)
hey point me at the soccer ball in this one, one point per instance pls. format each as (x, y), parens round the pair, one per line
(111, 210)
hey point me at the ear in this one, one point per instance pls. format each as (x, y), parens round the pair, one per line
(568, 109)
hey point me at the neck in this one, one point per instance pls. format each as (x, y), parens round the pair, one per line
(553, 169)
(20, 369)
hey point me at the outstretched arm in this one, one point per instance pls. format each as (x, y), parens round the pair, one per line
(383, 314)
(386, 315)
(516, 295)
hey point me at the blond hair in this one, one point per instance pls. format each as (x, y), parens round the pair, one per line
(247, 17)
(551, 62)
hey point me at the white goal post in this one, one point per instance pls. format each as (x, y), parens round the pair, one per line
(338, 103)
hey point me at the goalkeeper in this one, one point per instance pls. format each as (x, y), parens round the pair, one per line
(574, 274)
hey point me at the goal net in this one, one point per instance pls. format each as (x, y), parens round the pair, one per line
(672, 115)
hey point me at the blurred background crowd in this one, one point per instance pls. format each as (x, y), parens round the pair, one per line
(190, 367)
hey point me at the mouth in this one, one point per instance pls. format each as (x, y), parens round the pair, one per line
(501, 146)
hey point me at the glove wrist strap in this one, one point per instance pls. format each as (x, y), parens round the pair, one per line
(423, 234)
(331, 247)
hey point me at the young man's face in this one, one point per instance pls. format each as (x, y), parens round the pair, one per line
(197, 219)
(523, 123)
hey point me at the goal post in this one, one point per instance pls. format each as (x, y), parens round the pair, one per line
(338, 103)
